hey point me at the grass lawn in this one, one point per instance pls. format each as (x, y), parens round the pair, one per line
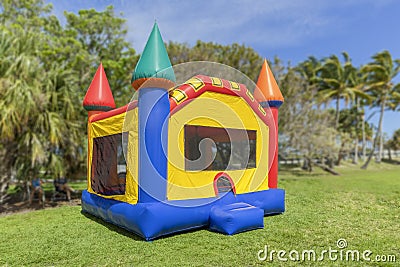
(48, 187)
(363, 207)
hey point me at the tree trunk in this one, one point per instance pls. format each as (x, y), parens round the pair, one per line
(4, 181)
(370, 153)
(380, 151)
(364, 148)
(337, 112)
(322, 166)
(336, 127)
(339, 159)
(340, 154)
(355, 159)
(7, 158)
(377, 134)
(307, 164)
(390, 154)
(329, 162)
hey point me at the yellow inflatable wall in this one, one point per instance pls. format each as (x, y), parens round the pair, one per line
(124, 122)
(214, 110)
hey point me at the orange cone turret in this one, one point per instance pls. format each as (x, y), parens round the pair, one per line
(267, 89)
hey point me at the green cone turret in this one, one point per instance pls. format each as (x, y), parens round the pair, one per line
(154, 61)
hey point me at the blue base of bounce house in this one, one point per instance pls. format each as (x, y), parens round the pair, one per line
(229, 214)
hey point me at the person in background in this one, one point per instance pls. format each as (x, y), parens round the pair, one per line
(36, 187)
(62, 185)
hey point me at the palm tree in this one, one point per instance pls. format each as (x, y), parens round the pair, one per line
(361, 99)
(363, 103)
(379, 79)
(308, 69)
(338, 81)
(37, 98)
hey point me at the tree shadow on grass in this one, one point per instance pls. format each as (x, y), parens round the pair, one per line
(113, 227)
(134, 236)
(391, 161)
(299, 174)
(182, 232)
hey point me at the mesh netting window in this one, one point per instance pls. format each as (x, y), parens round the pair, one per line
(109, 165)
(213, 148)
(224, 185)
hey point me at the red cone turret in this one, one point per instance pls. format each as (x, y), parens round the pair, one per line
(99, 97)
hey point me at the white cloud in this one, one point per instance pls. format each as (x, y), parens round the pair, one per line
(269, 23)
(259, 23)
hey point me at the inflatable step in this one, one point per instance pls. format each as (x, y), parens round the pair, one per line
(235, 218)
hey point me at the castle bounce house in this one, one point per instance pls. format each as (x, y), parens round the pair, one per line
(182, 156)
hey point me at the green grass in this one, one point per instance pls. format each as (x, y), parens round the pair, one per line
(362, 207)
(49, 187)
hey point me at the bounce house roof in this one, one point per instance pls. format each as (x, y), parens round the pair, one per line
(154, 61)
(184, 93)
(196, 86)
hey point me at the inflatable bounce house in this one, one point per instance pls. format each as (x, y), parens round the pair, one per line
(198, 154)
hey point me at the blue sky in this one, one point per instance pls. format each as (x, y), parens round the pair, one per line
(289, 29)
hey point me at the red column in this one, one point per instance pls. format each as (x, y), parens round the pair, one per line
(273, 149)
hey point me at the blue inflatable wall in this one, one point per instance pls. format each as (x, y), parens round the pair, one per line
(153, 143)
(154, 219)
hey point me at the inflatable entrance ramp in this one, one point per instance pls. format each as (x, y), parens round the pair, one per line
(235, 218)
